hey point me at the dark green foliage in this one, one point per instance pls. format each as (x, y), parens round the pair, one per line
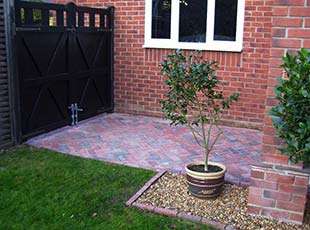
(40, 189)
(291, 117)
(194, 97)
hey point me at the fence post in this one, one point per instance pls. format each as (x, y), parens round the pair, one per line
(111, 29)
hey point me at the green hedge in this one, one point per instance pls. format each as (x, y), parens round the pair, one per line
(291, 117)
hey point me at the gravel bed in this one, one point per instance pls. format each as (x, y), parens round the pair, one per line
(170, 191)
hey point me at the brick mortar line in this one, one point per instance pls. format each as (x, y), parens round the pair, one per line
(275, 209)
(145, 187)
(271, 181)
(285, 170)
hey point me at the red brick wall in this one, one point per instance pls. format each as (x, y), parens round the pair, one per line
(281, 194)
(275, 191)
(290, 31)
(139, 85)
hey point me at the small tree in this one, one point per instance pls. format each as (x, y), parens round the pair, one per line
(291, 117)
(194, 98)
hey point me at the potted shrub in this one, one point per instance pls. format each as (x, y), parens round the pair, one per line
(194, 99)
(291, 116)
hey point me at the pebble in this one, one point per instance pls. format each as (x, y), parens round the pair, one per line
(170, 191)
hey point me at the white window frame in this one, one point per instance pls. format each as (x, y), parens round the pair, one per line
(210, 44)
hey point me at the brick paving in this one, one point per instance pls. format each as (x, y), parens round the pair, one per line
(151, 143)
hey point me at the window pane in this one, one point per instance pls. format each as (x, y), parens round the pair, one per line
(161, 18)
(193, 20)
(225, 20)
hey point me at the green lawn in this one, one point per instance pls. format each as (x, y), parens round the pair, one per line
(40, 189)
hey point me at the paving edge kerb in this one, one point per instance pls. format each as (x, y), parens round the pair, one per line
(171, 212)
(145, 187)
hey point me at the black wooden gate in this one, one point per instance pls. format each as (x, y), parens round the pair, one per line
(64, 57)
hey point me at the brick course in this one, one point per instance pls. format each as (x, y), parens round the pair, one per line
(281, 194)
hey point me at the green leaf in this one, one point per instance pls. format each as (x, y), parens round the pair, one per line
(291, 116)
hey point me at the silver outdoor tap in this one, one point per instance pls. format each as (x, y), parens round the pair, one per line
(74, 109)
(77, 110)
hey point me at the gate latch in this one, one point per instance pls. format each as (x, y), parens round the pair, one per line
(74, 109)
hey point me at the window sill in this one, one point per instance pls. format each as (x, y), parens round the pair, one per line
(215, 46)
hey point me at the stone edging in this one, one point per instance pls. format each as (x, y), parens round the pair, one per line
(144, 188)
(172, 212)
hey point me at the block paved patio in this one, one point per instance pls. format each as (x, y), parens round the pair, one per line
(152, 143)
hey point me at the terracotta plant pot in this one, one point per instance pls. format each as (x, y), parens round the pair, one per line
(205, 184)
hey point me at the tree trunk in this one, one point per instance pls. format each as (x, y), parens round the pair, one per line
(206, 160)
